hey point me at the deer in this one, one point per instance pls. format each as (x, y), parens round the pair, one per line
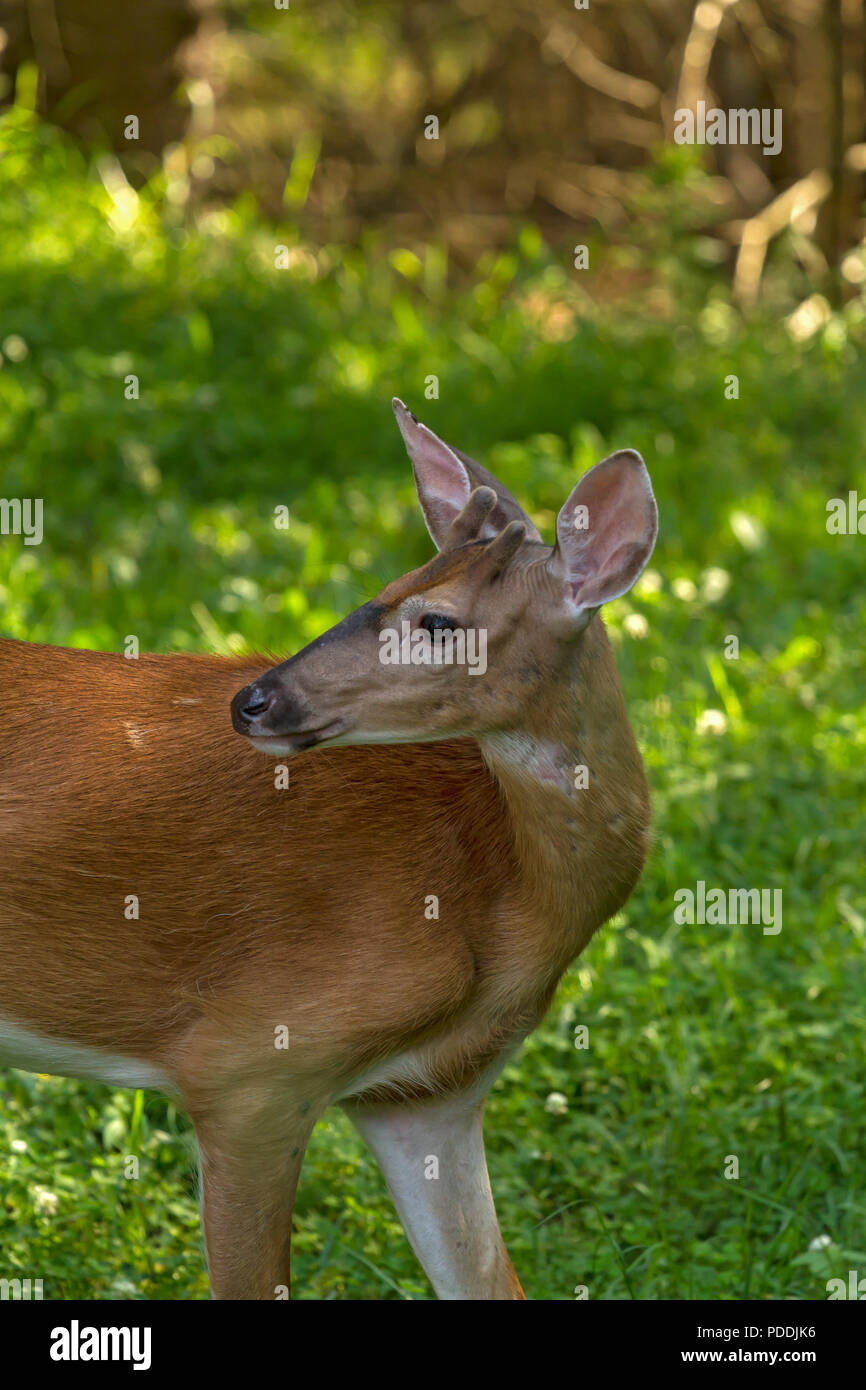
(377, 919)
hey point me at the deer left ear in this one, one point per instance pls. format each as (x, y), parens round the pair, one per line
(605, 532)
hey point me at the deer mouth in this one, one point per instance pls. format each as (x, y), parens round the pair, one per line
(298, 741)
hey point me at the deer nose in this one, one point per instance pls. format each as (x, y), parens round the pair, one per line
(266, 708)
(256, 704)
(251, 704)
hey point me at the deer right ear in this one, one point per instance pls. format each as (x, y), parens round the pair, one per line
(445, 478)
(441, 480)
(606, 531)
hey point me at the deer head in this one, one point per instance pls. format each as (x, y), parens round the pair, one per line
(464, 645)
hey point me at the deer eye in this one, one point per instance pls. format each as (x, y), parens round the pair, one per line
(437, 622)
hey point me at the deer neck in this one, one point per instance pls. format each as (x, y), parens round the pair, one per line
(575, 794)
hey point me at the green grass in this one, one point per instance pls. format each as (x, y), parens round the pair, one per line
(261, 387)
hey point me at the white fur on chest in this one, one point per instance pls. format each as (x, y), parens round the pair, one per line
(30, 1051)
(538, 761)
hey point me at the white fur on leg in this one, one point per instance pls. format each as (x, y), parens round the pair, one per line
(433, 1160)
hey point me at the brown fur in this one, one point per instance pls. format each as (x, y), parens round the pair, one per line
(260, 906)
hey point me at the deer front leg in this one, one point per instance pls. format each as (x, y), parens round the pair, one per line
(250, 1167)
(432, 1157)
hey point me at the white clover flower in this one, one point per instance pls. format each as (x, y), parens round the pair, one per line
(650, 582)
(556, 1103)
(820, 1242)
(715, 583)
(15, 348)
(636, 625)
(45, 1203)
(711, 721)
(684, 589)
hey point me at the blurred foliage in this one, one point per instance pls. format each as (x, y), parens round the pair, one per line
(546, 112)
(261, 386)
(97, 62)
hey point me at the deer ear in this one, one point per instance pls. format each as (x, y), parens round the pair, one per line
(605, 532)
(440, 478)
(445, 477)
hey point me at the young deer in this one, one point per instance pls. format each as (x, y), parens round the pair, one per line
(308, 912)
